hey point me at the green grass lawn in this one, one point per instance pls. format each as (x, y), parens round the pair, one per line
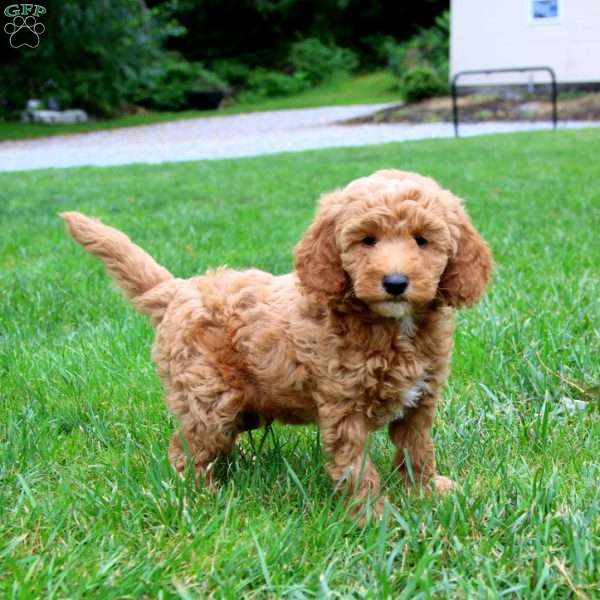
(89, 506)
(362, 89)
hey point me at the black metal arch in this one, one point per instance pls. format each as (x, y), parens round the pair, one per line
(460, 74)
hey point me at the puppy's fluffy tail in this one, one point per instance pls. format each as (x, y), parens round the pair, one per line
(149, 286)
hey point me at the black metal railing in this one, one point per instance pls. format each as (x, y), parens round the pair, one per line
(457, 76)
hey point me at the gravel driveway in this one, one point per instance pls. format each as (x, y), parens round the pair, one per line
(231, 136)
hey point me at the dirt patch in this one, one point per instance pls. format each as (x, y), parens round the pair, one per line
(477, 109)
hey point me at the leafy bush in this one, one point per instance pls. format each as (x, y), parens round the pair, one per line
(421, 82)
(319, 61)
(234, 72)
(377, 49)
(311, 62)
(205, 80)
(262, 83)
(163, 84)
(422, 61)
(167, 84)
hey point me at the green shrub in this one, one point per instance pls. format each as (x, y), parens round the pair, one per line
(166, 84)
(312, 62)
(319, 61)
(234, 72)
(377, 49)
(262, 83)
(421, 82)
(163, 85)
(422, 61)
(205, 80)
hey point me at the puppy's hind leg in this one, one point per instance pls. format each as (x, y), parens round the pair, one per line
(204, 436)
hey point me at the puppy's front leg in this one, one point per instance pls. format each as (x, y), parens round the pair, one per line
(345, 439)
(412, 437)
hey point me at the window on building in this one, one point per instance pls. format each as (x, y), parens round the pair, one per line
(542, 10)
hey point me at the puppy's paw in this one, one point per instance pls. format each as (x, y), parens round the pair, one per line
(443, 485)
(377, 507)
(367, 510)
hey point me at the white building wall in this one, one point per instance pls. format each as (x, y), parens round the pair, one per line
(501, 34)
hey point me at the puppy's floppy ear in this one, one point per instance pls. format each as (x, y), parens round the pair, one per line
(469, 268)
(317, 258)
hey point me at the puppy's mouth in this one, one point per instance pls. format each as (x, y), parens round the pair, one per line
(395, 307)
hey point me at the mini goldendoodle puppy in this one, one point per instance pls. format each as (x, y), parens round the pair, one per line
(358, 337)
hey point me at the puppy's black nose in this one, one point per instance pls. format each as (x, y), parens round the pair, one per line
(395, 284)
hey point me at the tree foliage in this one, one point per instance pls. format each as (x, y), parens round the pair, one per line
(260, 32)
(104, 54)
(421, 62)
(92, 54)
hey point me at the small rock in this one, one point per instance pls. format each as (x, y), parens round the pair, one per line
(530, 108)
(60, 116)
(52, 103)
(573, 405)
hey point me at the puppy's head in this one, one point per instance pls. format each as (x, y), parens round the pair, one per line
(396, 241)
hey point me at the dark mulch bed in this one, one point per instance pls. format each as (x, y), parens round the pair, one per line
(474, 109)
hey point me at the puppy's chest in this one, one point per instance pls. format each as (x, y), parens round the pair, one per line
(394, 396)
(386, 387)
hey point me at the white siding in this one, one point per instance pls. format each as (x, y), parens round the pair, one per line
(487, 34)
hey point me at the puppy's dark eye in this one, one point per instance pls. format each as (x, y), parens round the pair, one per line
(421, 241)
(369, 240)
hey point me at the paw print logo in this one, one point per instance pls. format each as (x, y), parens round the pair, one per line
(24, 31)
